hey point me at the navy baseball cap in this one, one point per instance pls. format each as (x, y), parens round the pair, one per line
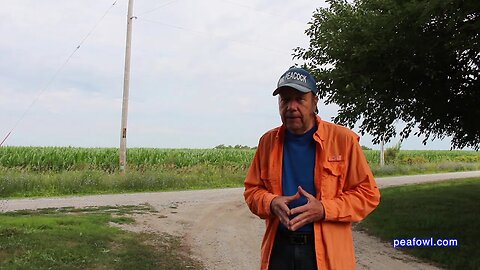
(299, 79)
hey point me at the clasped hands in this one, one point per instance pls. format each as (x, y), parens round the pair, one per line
(310, 212)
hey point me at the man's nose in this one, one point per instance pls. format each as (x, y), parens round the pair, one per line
(292, 105)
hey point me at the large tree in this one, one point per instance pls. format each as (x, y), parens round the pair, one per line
(411, 60)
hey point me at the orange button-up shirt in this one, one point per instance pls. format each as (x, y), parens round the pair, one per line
(343, 181)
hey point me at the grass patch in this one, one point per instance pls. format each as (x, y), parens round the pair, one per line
(16, 183)
(397, 169)
(442, 210)
(19, 183)
(82, 239)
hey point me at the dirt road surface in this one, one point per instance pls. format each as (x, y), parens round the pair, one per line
(221, 231)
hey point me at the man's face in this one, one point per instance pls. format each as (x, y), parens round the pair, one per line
(297, 109)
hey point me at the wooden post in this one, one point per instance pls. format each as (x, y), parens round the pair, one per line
(126, 89)
(382, 152)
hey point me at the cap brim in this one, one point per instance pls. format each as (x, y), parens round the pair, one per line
(295, 86)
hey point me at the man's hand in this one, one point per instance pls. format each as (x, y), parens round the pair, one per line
(310, 212)
(279, 207)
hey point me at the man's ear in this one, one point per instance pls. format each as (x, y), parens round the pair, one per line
(315, 103)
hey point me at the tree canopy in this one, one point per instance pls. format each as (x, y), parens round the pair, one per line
(416, 61)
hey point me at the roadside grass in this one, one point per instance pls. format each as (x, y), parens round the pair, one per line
(16, 183)
(396, 169)
(69, 238)
(442, 210)
(19, 183)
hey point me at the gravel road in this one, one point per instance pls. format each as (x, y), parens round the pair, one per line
(219, 228)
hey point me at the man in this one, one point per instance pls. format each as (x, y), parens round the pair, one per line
(309, 180)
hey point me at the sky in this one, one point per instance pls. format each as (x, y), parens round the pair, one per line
(202, 72)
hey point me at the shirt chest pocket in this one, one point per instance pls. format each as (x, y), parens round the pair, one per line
(271, 181)
(332, 180)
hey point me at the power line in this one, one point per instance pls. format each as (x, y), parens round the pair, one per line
(196, 32)
(242, 5)
(207, 34)
(157, 7)
(57, 72)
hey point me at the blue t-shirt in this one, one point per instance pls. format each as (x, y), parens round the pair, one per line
(299, 167)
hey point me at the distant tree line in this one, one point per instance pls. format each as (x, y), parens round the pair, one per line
(238, 146)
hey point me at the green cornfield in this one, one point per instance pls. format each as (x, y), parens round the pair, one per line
(58, 159)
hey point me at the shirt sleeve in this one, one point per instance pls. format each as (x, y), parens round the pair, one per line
(257, 196)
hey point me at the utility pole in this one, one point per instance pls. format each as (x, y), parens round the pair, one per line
(382, 152)
(126, 88)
